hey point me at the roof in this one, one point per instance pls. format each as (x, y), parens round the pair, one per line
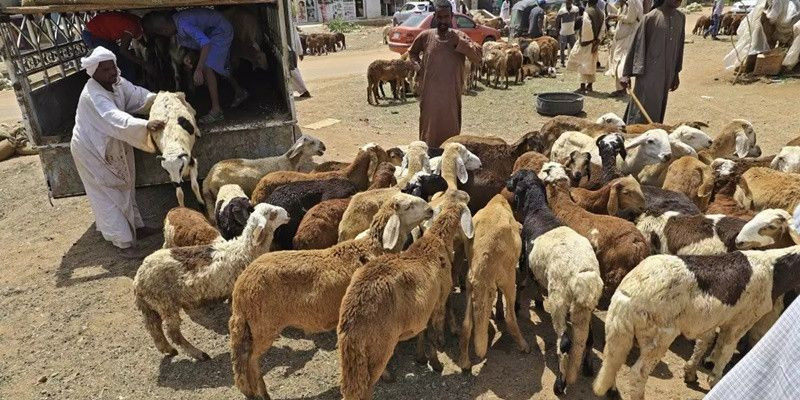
(48, 6)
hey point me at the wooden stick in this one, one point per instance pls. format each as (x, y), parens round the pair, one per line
(639, 105)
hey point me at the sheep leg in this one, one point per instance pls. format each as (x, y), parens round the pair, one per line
(723, 350)
(700, 348)
(482, 300)
(558, 313)
(179, 194)
(509, 290)
(193, 180)
(153, 324)
(260, 346)
(651, 353)
(369, 93)
(466, 332)
(419, 350)
(581, 318)
(431, 349)
(173, 321)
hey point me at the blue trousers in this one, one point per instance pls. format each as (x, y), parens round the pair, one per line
(127, 68)
(714, 28)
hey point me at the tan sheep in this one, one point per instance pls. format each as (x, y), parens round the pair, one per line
(620, 197)
(395, 297)
(761, 188)
(737, 139)
(303, 289)
(692, 177)
(415, 160)
(496, 249)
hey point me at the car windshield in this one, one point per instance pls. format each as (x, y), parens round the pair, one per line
(415, 20)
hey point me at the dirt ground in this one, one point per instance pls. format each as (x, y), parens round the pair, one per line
(69, 329)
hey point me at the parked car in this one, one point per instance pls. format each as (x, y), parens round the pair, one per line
(743, 6)
(401, 37)
(409, 9)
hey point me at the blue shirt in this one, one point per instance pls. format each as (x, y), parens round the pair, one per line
(197, 27)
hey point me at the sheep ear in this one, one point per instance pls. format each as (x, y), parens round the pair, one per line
(634, 142)
(404, 165)
(741, 144)
(294, 151)
(613, 200)
(461, 170)
(373, 165)
(256, 238)
(466, 223)
(391, 233)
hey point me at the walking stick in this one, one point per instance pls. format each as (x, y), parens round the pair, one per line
(639, 105)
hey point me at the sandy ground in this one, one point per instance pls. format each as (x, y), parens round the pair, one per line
(68, 327)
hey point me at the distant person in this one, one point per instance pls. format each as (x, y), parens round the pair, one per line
(628, 18)
(583, 57)
(297, 80)
(505, 10)
(209, 32)
(655, 60)
(102, 144)
(520, 15)
(716, 18)
(536, 20)
(115, 31)
(441, 77)
(565, 22)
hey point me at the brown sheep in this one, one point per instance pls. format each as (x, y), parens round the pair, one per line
(638, 129)
(496, 249)
(340, 39)
(692, 177)
(738, 138)
(553, 128)
(395, 297)
(359, 171)
(396, 71)
(514, 63)
(548, 50)
(702, 24)
(303, 289)
(761, 188)
(248, 38)
(530, 160)
(725, 24)
(618, 244)
(316, 45)
(495, 62)
(186, 227)
(726, 175)
(620, 197)
(495, 153)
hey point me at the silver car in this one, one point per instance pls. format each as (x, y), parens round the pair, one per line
(410, 8)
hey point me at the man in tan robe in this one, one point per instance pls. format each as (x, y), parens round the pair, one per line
(441, 77)
(583, 57)
(655, 60)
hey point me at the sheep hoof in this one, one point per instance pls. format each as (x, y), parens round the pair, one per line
(613, 394)
(525, 348)
(204, 357)
(387, 377)
(466, 370)
(171, 353)
(560, 386)
(436, 365)
(709, 365)
(690, 378)
(421, 360)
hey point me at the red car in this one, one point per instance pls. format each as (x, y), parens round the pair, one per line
(401, 37)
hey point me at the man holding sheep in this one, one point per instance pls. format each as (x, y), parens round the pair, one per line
(441, 77)
(101, 147)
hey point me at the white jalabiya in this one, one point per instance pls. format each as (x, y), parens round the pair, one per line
(627, 24)
(581, 58)
(101, 147)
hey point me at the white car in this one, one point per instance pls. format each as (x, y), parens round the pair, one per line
(410, 8)
(743, 6)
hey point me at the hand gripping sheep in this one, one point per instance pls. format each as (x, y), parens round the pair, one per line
(176, 140)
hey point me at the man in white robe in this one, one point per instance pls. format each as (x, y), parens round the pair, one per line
(628, 19)
(583, 57)
(101, 147)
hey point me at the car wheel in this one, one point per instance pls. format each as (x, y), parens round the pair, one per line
(489, 39)
(395, 22)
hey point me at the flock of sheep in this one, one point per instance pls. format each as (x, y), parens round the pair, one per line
(322, 43)
(501, 59)
(670, 231)
(728, 26)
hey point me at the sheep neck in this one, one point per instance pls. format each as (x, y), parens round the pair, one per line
(232, 256)
(595, 201)
(609, 161)
(439, 238)
(448, 167)
(559, 198)
(357, 171)
(538, 216)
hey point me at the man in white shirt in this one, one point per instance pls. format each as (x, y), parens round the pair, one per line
(716, 18)
(565, 21)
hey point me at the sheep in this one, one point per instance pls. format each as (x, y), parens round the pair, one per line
(388, 71)
(552, 129)
(415, 160)
(186, 227)
(530, 160)
(666, 296)
(247, 172)
(359, 172)
(248, 38)
(697, 235)
(231, 211)
(579, 165)
(496, 62)
(787, 160)
(176, 140)
(794, 142)
(495, 153)
(395, 297)
(770, 228)
(564, 265)
(726, 175)
(692, 177)
(654, 174)
(650, 148)
(298, 197)
(319, 227)
(316, 45)
(702, 24)
(621, 197)
(425, 185)
(738, 138)
(340, 39)
(496, 248)
(760, 188)
(548, 50)
(618, 244)
(611, 119)
(455, 164)
(531, 53)
(303, 289)
(182, 277)
(514, 63)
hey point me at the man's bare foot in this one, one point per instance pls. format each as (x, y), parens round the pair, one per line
(146, 231)
(131, 253)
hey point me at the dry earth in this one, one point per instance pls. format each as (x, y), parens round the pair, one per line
(68, 327)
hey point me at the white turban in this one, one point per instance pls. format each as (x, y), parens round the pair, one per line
(98, 55)
(796, 223)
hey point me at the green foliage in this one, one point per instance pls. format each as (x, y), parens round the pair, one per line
(339, 25)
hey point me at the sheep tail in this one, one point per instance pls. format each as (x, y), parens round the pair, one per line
(587, 288)
(152, 320)
(241, 351)
(355, 369)
(619, 339)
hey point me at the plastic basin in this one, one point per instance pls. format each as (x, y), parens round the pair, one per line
(559, 103)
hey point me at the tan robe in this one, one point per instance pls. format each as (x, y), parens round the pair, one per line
(441, 79)
(655, 59)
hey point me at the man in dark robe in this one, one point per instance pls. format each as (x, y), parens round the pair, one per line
(441, 77)
(655, 60)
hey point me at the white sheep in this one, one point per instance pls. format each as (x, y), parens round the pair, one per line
(182, 277)
(769, 228)
(651, 147)
(176, 140)
(693, 137)
(666, 296)
(611, 119)
(787, 160)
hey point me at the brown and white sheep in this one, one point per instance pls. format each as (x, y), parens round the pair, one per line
(186, 227)
(738, 138)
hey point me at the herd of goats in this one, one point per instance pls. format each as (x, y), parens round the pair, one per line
(670, 231)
